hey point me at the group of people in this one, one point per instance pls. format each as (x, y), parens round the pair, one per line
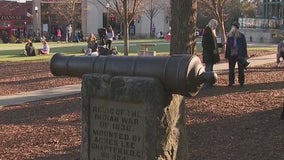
(31, 51)
(236, 51)
(94, 48)
(103, 46)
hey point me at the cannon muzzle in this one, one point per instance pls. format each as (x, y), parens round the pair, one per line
(180, 74)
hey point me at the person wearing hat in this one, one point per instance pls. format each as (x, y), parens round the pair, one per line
(236, 52)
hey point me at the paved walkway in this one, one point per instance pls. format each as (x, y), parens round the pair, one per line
(39, 95)
(75, 89)
(254, 61)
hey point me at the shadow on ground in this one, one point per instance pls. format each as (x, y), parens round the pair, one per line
(253, 136)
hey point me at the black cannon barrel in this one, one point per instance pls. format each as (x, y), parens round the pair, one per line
(180, 74)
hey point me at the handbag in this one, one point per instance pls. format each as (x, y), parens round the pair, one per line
(243, 62)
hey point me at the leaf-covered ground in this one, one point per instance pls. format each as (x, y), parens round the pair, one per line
(224, 123)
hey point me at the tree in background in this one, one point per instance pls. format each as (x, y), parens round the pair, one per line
(217, 8)
(183, 26)
(126, 11)
(152, 8)
(68, 11)
(248, 8)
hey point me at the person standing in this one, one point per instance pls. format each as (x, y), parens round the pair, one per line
(59, 34)
(110, 35)
(69, 33)
(236, 52)
(280, 53)
(210, 53)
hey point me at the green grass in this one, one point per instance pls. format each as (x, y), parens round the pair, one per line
(14, 52)
(261, 48)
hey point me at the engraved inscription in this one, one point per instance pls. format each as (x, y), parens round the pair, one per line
(116, 130)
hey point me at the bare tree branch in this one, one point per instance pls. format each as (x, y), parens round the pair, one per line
(152, 8)
(217, 8)
(126, 11)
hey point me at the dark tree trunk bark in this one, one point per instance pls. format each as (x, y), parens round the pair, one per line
(183, 26)
(126, 29)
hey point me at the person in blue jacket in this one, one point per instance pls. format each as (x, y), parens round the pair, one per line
(236, 52)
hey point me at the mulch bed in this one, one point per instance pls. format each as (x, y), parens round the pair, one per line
(18, 77)
(239, 122)
(223, 122)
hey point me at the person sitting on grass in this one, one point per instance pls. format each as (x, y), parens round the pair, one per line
(92, 46)
(45, 49)
(29, 49)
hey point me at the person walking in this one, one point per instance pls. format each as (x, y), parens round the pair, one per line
(210, 53)
(110, 35)
(236, 52)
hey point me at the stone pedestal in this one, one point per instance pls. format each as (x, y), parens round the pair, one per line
(131, 118)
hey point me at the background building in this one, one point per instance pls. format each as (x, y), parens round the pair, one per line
(94, 14)
(97, 14)
(268, 26)
(44, 17)
(15, 20)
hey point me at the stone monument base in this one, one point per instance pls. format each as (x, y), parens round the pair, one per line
(131, 118)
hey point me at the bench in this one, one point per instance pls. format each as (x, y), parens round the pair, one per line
(145, 51)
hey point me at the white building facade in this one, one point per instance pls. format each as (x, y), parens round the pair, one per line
(95, 10)
(93, 17)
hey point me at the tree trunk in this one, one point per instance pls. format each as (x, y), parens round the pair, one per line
(126, 29)
(126, 38)
(151, 19)
(183, 26)
(151, 24)
(223, 36)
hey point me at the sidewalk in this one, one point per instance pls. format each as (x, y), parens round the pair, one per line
(254, 61)
(75, 89)
(39, 95)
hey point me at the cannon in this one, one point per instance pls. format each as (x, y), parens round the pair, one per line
(180, 74)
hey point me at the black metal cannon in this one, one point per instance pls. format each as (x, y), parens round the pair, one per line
(180, 74)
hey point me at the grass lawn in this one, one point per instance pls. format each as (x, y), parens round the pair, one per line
(14, 52)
